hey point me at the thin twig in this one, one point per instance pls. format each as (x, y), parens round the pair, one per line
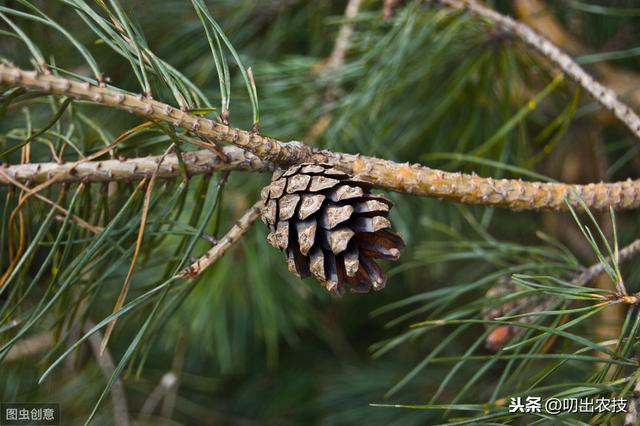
(234, 234)
(631, 419)
(502, 334)
(405, 178)
(388, 7)
(169, 402)
(536, 14)
(168, 381)
(30, 346)
(168, 386)
(331, 68)
(107, 366)
(343, 40)
(595, 270)
(604, 95)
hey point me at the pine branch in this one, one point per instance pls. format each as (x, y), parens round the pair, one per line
(196, 162)
(604, 95)
(591, 273)
(107, 366)
(264, 147)
(631, 418)
(405, 178)
(30, 346)
(220, 248)
(343, 40)
(330, 67)
(502, 334)
(538, 16)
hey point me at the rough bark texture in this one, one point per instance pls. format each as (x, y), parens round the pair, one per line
(264, 147)
(195, 162)
(472, 189)
(411, 179)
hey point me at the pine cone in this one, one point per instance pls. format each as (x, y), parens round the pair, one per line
(330, 225)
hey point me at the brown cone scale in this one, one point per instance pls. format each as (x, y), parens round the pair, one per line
(330, 226)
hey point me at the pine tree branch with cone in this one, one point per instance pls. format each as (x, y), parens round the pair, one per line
(161, 252)
(405, 178)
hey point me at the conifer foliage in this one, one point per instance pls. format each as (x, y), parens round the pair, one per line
(140, 142)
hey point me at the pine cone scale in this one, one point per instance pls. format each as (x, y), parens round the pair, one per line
(310, 205)
(270, 213)
(306, 235)
(277, 188)
(351, 261)
(287, 206)
(345, 192)
(316, 264)
(319, 183)
(312, 169)
(280, 237)
(334, 214)
(370, 224)
(297, 264)
(291, 171)
(338, 239)
(298, 183)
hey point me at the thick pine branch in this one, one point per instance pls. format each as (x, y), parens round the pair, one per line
(264, 147)
(405, 178)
